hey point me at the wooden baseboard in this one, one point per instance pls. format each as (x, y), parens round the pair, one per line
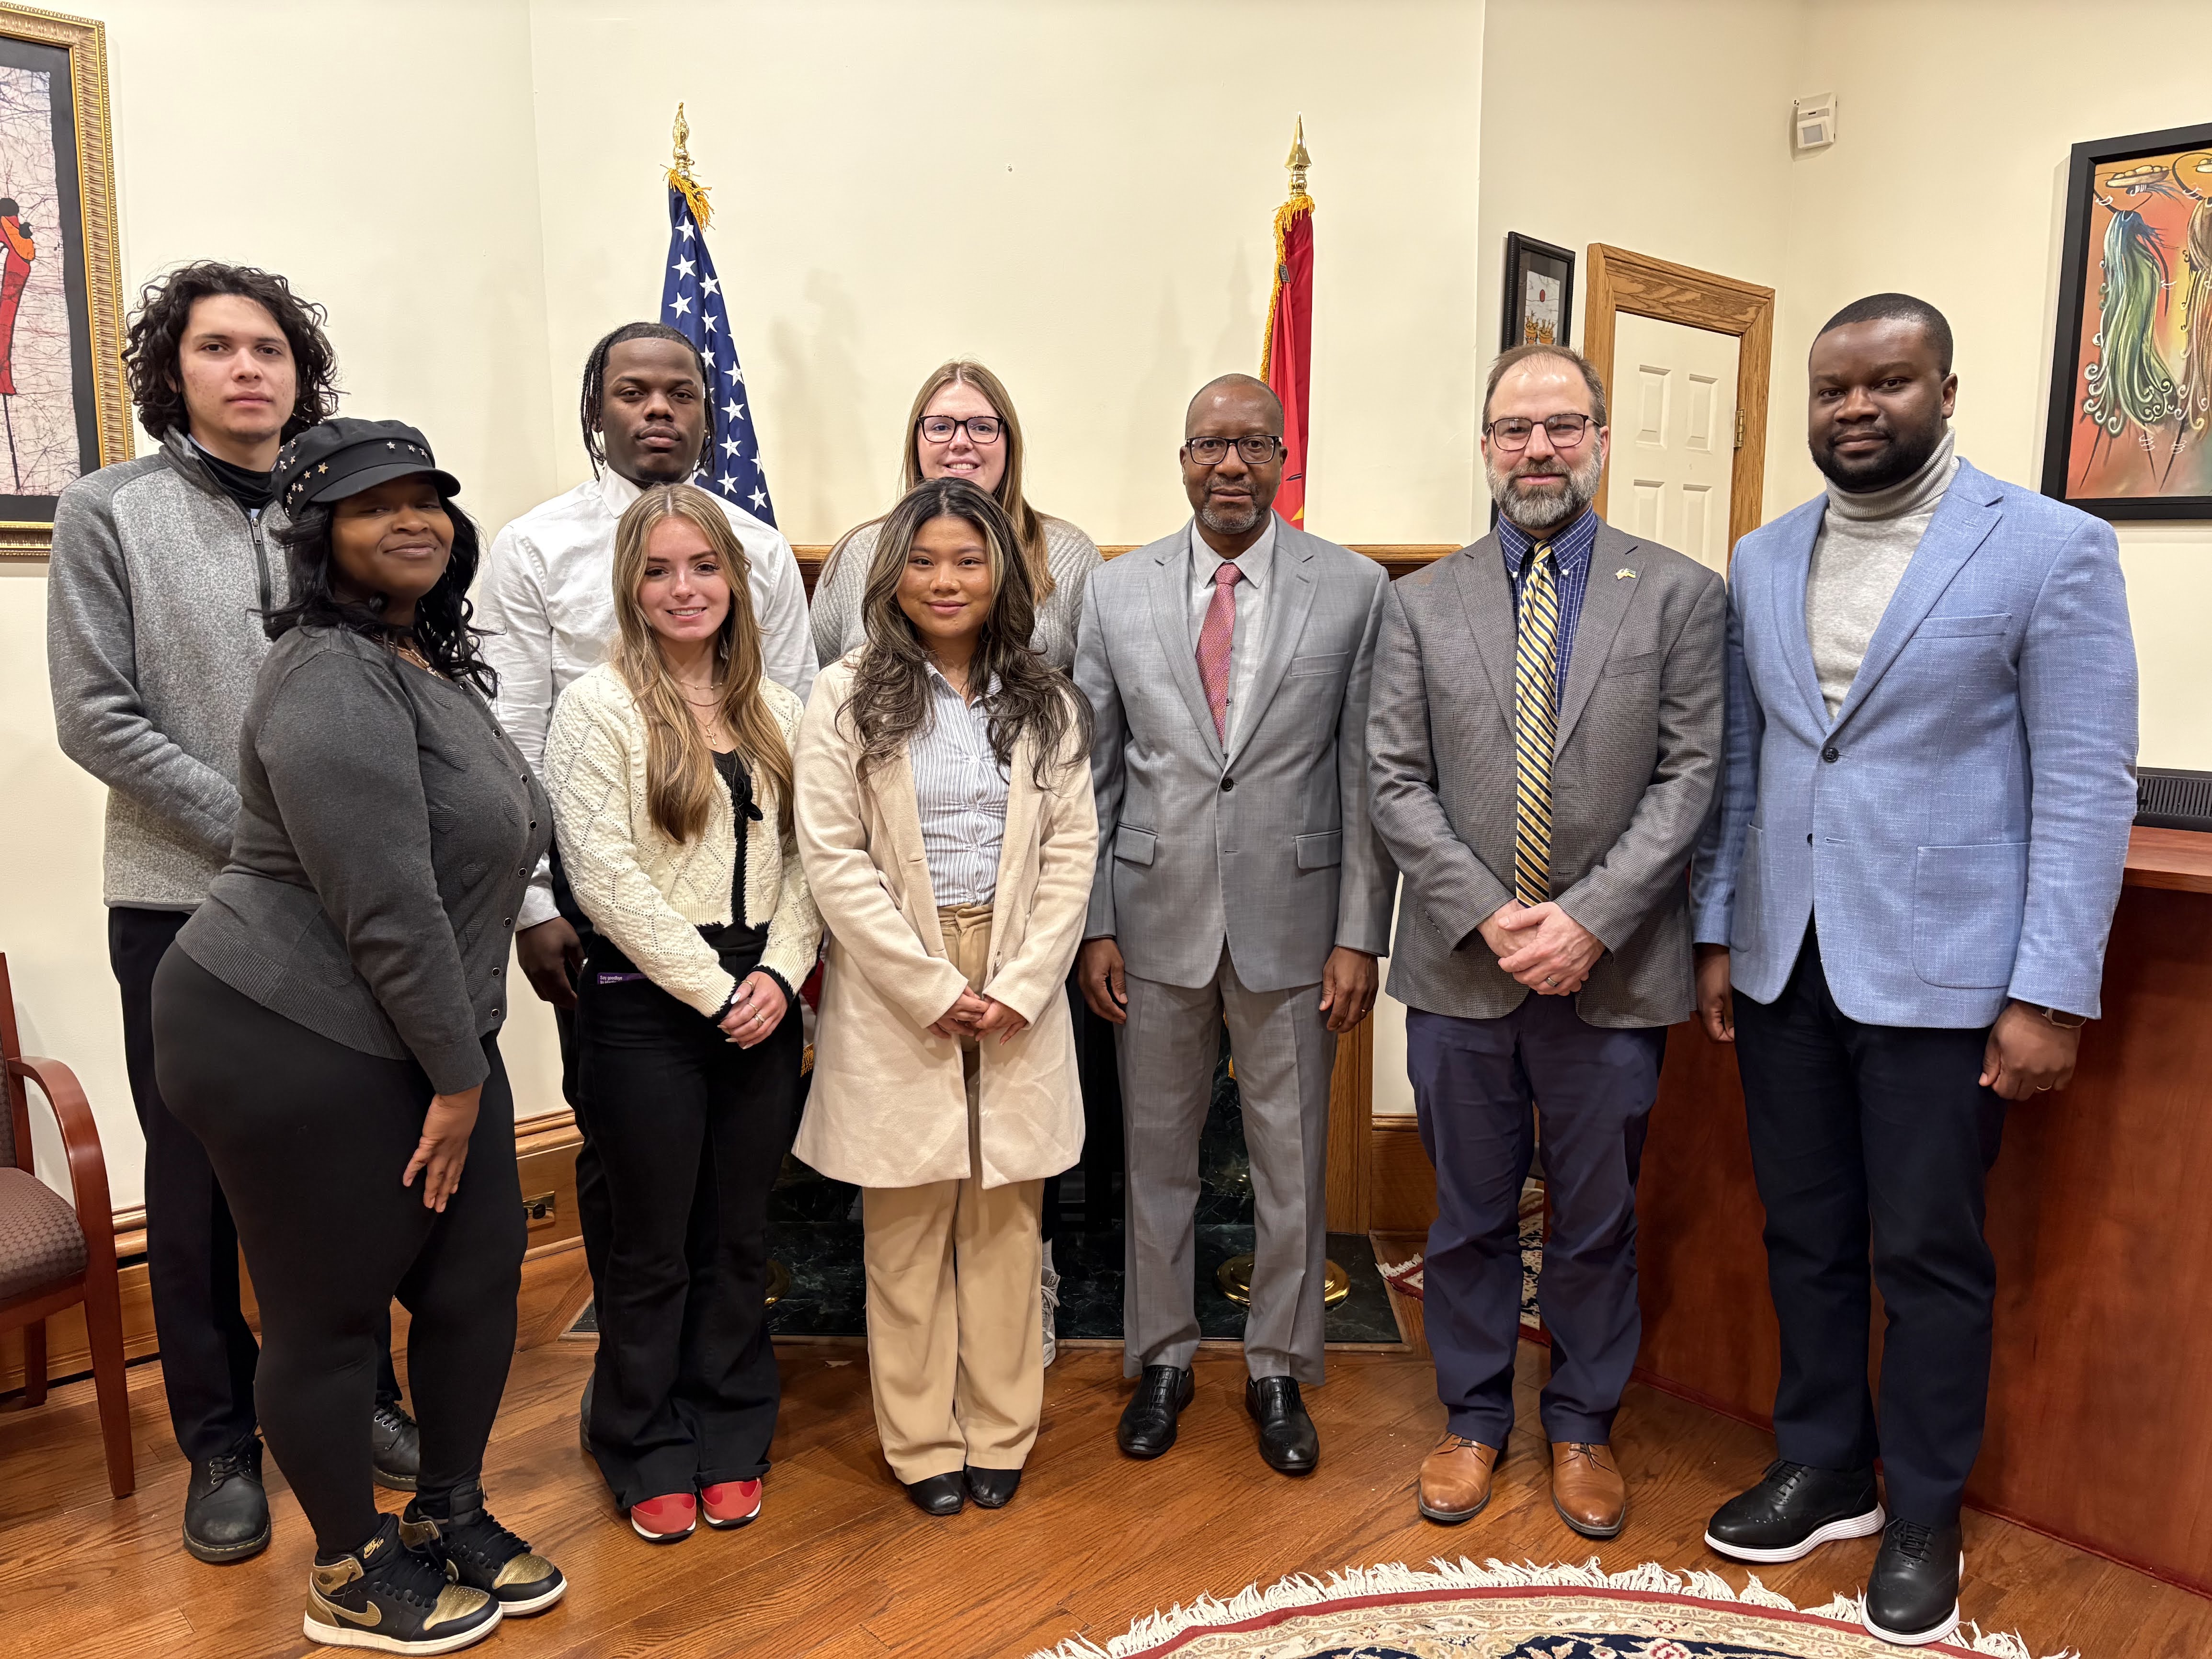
(1402, 1183)
(545, 1153)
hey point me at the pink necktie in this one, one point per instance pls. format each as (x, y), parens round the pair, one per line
(1214, 639)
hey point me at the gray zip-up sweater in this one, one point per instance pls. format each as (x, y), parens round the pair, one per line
(153, 640)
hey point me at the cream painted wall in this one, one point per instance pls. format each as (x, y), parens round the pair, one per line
(401, 191)
(1955, 122)
(1078, 194)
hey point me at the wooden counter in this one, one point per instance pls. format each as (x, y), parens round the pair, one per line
(2100, 1214)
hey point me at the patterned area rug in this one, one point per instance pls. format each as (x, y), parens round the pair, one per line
(1461, 1611)
(1408, 1278)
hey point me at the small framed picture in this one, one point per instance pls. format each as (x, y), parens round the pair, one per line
(1539, 293)
(2129, 427)
(63, 413)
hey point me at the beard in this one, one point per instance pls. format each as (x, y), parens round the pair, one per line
(1906, 454)
(1229, 520)
(1540, 511)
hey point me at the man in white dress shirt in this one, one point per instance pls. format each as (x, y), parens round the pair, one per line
(546, 599)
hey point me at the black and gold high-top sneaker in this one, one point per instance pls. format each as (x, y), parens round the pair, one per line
(386, 1597)
(476, 1551)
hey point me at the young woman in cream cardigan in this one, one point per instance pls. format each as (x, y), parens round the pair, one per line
(670, 769)
(946, 825)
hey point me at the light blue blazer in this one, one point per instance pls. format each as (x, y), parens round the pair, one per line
(1961, 828)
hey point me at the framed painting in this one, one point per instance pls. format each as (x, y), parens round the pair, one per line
(1539, 293)
(62, 413)
(2129, 432)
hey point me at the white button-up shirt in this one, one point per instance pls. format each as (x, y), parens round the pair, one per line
(1257, 562)
(961, 789)
(546, 599)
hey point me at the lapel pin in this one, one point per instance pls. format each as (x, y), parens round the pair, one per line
(1623, 574)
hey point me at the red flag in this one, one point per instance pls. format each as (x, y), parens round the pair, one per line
(1287, 357)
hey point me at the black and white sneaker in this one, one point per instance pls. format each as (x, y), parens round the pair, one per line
(386, 1597)
(1793, 1510)
(472, 1548)
(1912, 1593)
(395, 1447)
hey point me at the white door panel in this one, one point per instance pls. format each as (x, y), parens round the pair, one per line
(1673, 434)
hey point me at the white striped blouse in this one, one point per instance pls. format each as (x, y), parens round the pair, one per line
(961, 788)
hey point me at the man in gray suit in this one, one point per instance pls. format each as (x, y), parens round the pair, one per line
(1239, 878)
(1544, 743)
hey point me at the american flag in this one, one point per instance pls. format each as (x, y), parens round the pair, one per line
(692, 302)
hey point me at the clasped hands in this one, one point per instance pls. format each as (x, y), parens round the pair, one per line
(1542, 946)
(973, 1015)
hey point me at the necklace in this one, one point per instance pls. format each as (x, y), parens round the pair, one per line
(408, 651)
(713, 698)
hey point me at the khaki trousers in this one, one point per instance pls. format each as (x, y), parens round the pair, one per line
(956, 1357)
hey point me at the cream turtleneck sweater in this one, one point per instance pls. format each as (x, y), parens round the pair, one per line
(1859, 556)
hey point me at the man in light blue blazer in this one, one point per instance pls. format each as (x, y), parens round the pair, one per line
(1901, 903)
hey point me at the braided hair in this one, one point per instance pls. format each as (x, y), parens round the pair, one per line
(593, 405)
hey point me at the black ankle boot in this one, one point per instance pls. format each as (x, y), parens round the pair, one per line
(395, 1447)
(225, 1510)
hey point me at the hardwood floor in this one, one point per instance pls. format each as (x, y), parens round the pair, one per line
(839, 1566)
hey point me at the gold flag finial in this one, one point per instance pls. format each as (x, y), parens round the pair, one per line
(679, 175)
(1299, 161)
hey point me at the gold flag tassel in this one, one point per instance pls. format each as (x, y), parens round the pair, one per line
(1297, 203)
(695, 193)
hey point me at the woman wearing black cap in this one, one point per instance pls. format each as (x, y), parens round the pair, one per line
(328, 1025)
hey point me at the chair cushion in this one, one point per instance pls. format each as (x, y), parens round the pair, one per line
(40, 1243)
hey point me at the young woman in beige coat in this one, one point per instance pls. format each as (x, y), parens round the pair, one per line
(945, 821)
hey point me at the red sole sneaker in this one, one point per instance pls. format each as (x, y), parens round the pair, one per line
(731, 1503)
(668, 1519)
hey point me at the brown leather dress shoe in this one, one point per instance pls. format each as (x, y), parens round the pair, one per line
(1587, 1489)
(1456, 1479)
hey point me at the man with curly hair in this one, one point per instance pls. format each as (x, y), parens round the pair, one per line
(163, 567)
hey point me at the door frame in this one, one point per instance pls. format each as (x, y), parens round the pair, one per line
(1618, 280)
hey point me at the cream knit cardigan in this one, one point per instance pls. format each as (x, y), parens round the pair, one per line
(651, 895)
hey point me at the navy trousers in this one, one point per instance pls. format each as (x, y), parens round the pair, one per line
(1873, 1139)
(1482, 1087)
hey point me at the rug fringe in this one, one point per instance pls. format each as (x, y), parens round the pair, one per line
(1301, 1589)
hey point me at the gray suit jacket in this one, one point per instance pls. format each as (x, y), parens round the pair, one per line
(1637, 763)
(1269, 846)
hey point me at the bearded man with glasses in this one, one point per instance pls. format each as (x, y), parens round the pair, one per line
(1543, 945)
(1239, 879)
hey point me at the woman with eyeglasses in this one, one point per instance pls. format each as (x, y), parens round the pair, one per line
(963, 426)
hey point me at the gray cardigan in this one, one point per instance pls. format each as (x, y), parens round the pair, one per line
(153, 639)
(1070, 555)
(387, 827)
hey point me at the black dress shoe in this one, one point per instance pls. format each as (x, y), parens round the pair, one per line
(993, 1489)
(1912, 1593)
(225, 1510)
(1148, 1421)
(941, 1494)
(1287, 1440)
(1793, 1510)
(395, 1447)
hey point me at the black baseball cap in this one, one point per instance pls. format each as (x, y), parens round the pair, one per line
(343, 457)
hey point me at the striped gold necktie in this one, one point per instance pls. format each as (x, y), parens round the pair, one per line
(1535, 725)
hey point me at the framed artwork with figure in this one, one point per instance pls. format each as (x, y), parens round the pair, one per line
(63, 413)
(2129, 427)
(1539, 293)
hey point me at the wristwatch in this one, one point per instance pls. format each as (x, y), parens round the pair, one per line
(2060, 1018)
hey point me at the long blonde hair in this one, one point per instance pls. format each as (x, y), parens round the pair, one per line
(1028, 522)
(680, 780)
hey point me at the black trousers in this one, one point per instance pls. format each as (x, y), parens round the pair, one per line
(594, 1214)
(690, 1130)
(208, 1350)
(1873, 1139)
(309, 1138)
(1481, 1088)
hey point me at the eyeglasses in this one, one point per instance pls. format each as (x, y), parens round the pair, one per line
(980, 428)
(1511, 433)
(1255, 451)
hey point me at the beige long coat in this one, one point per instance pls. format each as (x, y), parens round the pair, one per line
(888, 1107)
